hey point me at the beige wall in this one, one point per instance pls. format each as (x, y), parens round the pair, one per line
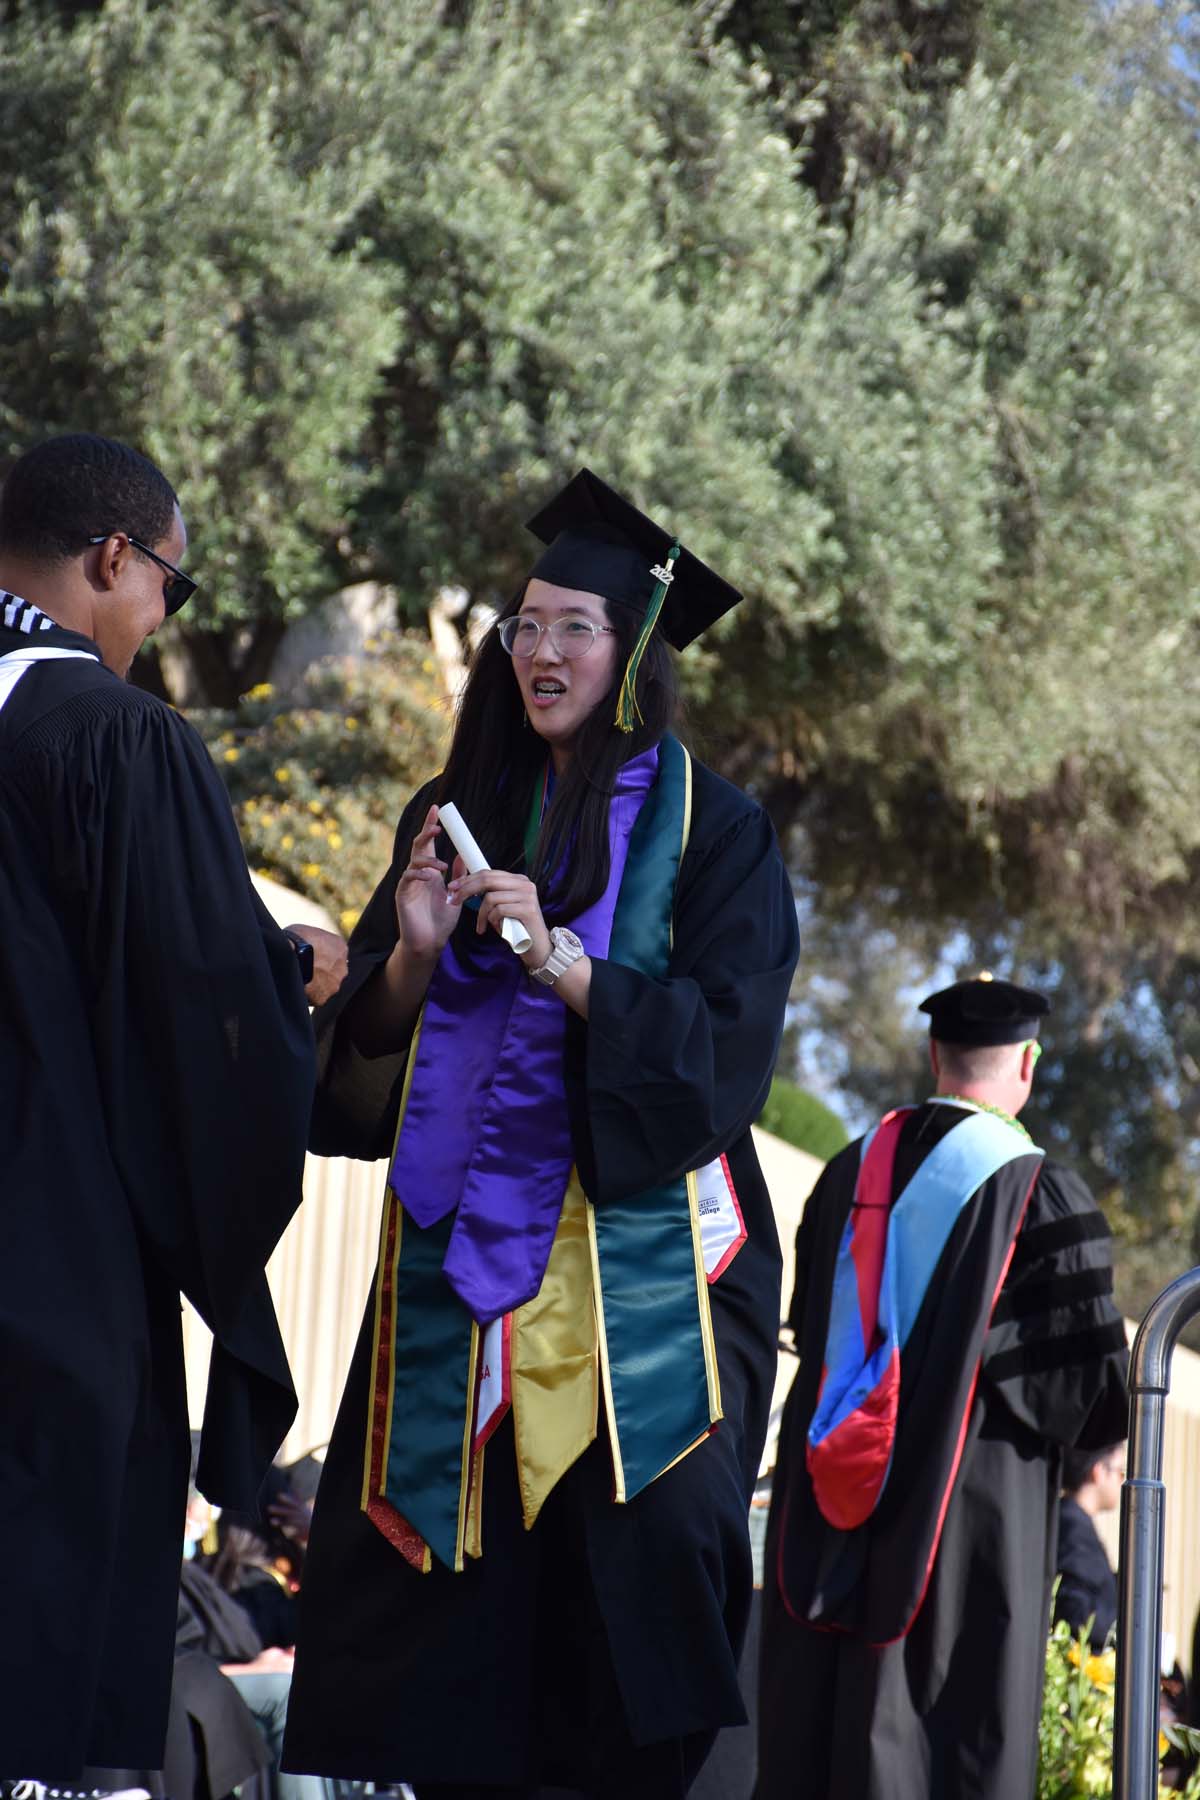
(1181, 1473)
(320, 1275)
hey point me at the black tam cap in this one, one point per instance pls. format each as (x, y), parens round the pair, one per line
(985, 1011)
(600, 543)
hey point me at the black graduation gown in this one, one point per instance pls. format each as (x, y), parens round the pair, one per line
(156, 1071)
(605, 1623)
(949, 1711)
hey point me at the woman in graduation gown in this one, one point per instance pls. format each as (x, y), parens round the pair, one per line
(529, 1560)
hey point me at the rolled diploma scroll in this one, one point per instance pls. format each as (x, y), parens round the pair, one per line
(452, 822)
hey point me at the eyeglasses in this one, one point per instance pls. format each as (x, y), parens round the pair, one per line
(178, 590)
(571, 637)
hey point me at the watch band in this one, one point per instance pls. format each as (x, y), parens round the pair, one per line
(306, 956)
(565, 949)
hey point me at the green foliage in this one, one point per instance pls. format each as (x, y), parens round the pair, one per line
(171, 276)
(854, 80)
(1013, 501)
(888, 307)
(1077, 328)
(801, 1119)
(596, 250)
(985, 747)
(1185, 1738)
(368, 284)
(1075, 1732)
(319, 779)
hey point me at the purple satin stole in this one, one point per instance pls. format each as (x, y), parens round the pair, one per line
(485, 1130)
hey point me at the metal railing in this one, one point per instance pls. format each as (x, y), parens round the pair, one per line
(1140, 1568)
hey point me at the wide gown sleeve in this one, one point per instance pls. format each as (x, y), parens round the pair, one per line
(677, 1069)
(1055, 1350)
(203, 1047)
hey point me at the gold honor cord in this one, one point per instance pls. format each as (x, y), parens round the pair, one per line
(628, 710)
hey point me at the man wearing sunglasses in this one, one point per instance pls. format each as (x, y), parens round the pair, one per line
(156, 1072)
(116, 589)
(177, 587)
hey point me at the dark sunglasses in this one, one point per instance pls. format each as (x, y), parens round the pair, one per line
(178, 590)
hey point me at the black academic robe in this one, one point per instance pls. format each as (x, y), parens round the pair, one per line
(949, 1710)
(156, 1070)
(606, 1625)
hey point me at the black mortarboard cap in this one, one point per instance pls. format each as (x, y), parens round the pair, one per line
(985, 1011)
(600, 543)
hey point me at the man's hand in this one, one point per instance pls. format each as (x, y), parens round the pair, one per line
(330, 962)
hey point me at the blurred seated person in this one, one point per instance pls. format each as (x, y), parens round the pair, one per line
(259, 1562)
(230, 1689)
(214, 1744)
(246, 1635)
(1087, 1585)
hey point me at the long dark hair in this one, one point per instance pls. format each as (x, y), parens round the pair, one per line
(495, 761)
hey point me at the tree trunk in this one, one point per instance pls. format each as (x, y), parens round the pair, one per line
(214, 668)
(147, 673)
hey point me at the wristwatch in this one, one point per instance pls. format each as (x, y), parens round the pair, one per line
(565, 948)
(305, 954)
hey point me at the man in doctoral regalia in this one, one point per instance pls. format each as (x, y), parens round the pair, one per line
(156, 1071)
(953, 1315)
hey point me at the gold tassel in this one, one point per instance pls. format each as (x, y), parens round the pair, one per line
(628, 709)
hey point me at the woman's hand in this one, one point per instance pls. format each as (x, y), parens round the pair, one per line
(503, 895)
(383, 1013)
(426, 913)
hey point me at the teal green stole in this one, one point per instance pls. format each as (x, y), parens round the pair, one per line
(658, 1360)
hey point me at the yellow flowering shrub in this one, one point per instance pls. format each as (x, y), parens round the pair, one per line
(318, 777)
(1075, 1734)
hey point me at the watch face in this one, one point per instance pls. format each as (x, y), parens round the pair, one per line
(565, 948)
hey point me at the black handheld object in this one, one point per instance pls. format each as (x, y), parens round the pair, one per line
(306, 956)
